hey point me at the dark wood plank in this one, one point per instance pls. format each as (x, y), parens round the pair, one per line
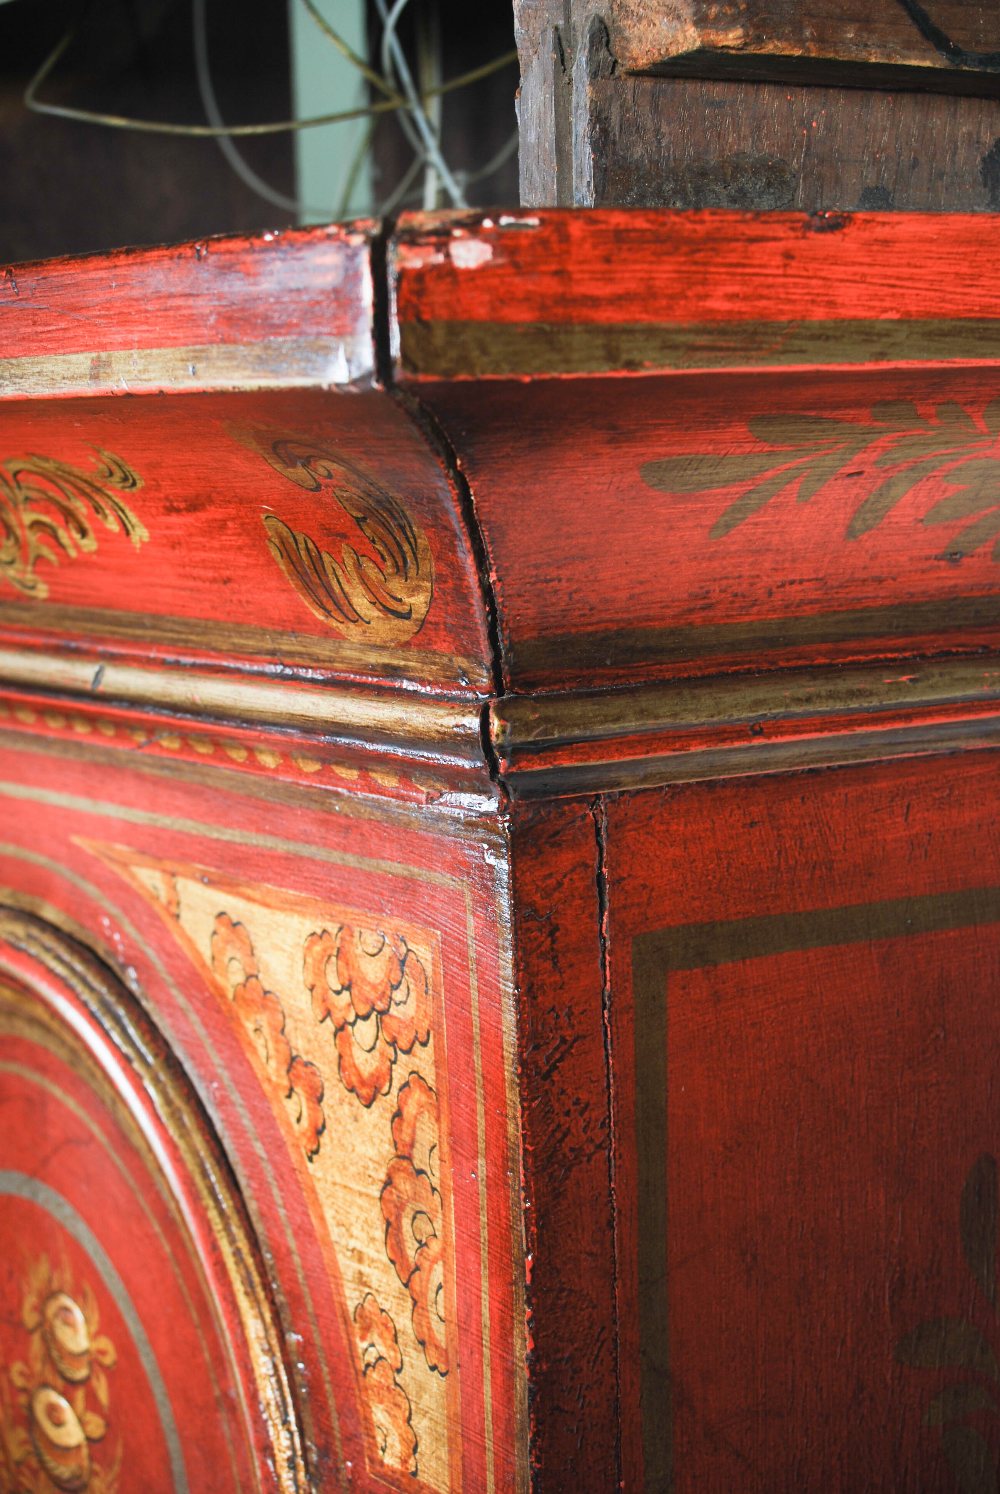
(770, 105)
(694, 143)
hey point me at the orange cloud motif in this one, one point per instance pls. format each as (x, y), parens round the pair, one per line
(262, 1016)
(414, 1220)
(373, 989)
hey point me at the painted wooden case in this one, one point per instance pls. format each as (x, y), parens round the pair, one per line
(498, 859)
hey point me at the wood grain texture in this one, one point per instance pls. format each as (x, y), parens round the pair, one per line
(665, 509)
(719, 559)
(341, 554)
(311, 285)
(639, 1140)
(843, 516)
(763, 105)
(699, 270)
(702, 143)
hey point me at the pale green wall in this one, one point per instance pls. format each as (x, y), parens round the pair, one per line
(322, 82)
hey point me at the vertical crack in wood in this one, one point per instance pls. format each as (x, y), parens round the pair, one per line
(386, 337)
(600, 817)
(594, 63)
(438, 441)
(383, 319)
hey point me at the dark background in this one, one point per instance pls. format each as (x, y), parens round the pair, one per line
(68, 187)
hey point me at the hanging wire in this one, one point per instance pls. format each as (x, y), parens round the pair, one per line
(428, 19)
(347, 52)
(354, 171)
(404, 197)
(503, 155)
(399, 194)
(422, 135)
(394, 59)
(213, 132)
(400, 97)
(384, 86)
(210, 104)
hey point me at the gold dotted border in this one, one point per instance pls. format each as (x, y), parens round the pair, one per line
(254, 758)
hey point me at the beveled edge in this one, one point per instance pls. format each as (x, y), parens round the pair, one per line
(224, 312)
(557, 744)
(585, 742)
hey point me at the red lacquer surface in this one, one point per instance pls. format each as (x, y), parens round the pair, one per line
(632, 1136)
(616, 559)
(611, 266)
(313, 284)
(95, 1228)
(804, 1080)
(204, 582)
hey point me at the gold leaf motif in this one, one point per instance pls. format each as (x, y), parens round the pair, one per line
(805, 453)
(414, 1222)
(47, 1425)
(47, 512)
(374, 989)
(382, 596)
(93, 1425)
(336, 1011)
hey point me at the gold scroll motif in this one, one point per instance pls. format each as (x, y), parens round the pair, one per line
(47, 509)
(970, 1404)
(54, 1402)
(880, 463)
(382, 597)
(336, 1011)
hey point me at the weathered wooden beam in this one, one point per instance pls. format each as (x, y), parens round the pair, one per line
(658, 35)
(760, 104)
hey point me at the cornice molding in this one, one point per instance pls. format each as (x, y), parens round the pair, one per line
(526, 746)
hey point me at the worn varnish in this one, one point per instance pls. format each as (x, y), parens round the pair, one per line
(498, 879)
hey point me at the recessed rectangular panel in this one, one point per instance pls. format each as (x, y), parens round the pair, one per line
(806, 1134)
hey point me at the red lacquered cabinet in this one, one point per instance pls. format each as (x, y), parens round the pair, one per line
(499, 868)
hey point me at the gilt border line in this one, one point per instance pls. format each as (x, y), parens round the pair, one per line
(273, 363)
(443, 728)
(491, 350)
(537, 722)
(588, 741)
(96, 895)
(255, 646)
(698, 946)
(581, 741)
(443, 349)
